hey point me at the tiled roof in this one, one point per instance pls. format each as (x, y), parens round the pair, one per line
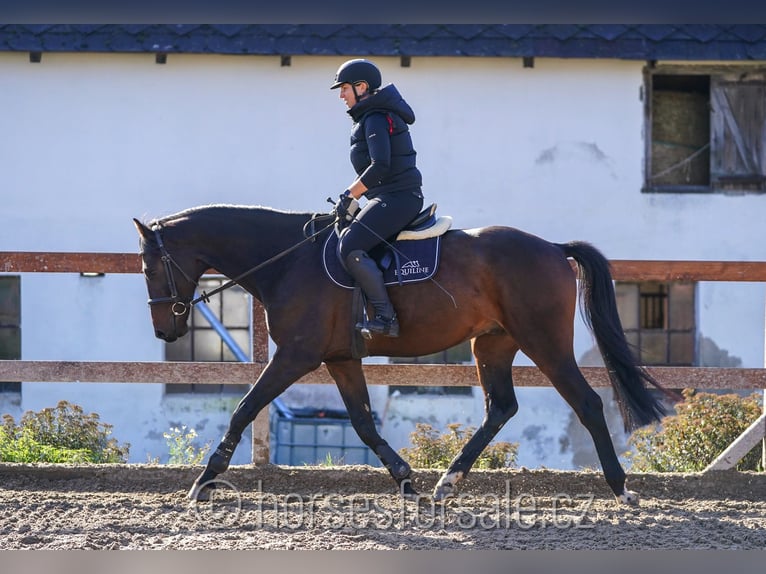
(625, 41)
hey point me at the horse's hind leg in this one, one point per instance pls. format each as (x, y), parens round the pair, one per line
(349, 377)
(494, 359)
(587, 404)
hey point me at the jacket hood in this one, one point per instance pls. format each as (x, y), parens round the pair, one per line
(387, 99)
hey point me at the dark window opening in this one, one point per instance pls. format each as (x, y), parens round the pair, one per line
(680, 131)
(705, 129)
(10, 326)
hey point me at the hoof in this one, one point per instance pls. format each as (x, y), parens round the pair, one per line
(447, 486)
(407, 491)
(201, 492)
(628, 497)
(443, 491)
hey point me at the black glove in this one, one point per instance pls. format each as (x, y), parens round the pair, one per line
(343, 204)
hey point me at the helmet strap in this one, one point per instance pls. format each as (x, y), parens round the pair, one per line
(357, 95)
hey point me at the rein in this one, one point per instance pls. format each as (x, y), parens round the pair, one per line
(180, 307)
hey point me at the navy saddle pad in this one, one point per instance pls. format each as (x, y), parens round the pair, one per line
(409, 261)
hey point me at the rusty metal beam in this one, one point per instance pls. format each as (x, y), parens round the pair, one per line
(28, 261)
(465, 375)
(130, 372)
(376, 374)
(622, 269)
(627, 270)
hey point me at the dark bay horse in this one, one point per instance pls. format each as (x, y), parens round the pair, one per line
(510, 291)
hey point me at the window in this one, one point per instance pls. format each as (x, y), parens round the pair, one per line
(659, 321)
(454, 355)
(10, 325)
(232, 307)
(705, 129)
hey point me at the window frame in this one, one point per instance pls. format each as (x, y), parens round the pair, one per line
(730, 147)
(679, 325)
(210, 282)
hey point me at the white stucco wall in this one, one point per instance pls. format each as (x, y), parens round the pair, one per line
(92, 140)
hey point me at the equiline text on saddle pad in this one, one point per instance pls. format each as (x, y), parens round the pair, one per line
(405, 261)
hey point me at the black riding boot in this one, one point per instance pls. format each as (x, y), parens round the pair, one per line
(370, 278)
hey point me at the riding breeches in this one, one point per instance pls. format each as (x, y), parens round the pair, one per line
(381, 219)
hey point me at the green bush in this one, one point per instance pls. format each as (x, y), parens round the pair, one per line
(61, 434)
(181, 447)
(430, 450)
(704, 425)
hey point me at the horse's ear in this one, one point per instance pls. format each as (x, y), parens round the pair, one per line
(143, 230)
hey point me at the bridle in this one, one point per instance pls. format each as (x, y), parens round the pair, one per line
(179, 306)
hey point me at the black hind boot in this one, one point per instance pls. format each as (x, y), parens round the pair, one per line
(370, 278)
(220, 459)
(216, 464)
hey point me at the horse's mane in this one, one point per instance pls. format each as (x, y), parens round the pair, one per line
(218, 208)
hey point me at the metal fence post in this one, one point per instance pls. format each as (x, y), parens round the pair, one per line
(260, 426)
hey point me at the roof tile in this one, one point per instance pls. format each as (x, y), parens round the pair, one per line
(228, 30)
(562, 32)
(122, 41)
(468, 31)
(323, 31)
(701, 32)
(655, 32)
(515, 31)
(418, 30)
(183, 29)
(749, 33)
(609, 32)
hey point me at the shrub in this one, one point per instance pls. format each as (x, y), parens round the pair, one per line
(704, 425)
(430, 450)
(61, 434)
(182, 448)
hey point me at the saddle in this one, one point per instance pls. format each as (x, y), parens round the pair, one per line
(411, 257)
(424, 225)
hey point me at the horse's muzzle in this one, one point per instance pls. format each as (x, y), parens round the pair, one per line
(171, 334)
(168, 338)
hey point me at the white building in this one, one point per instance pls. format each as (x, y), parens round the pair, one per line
(546, 128)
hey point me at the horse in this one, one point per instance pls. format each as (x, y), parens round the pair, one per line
(502, 288)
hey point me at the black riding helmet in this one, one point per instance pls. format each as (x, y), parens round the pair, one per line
(355, 71)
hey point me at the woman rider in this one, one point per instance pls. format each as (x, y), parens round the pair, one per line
(384, 160)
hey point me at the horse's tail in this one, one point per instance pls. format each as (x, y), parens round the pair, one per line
(599, 309)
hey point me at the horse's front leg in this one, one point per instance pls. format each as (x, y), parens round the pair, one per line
(282, 371)
(349, 378)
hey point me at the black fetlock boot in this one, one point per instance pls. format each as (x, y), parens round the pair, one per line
(370, 278)
(220, 459)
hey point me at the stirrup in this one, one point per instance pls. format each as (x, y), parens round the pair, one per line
(379, 325)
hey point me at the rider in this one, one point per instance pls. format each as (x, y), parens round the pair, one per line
(384, 160)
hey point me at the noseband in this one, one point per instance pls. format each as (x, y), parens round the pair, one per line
(179, 306)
